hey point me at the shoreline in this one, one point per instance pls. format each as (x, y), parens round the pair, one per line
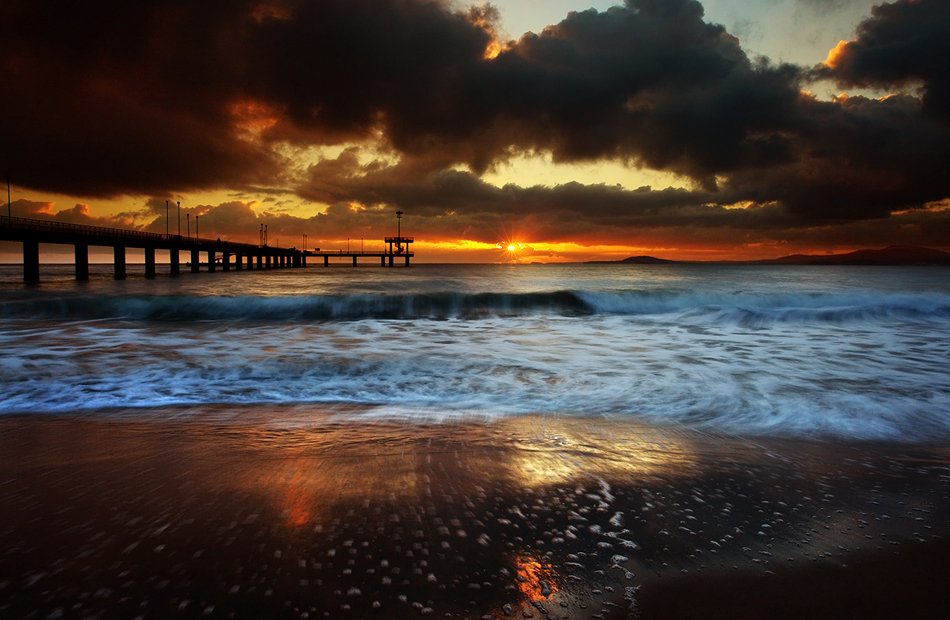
(318, 512)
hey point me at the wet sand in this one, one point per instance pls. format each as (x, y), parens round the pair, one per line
(306, 513)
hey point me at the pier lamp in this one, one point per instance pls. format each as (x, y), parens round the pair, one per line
(399, 232)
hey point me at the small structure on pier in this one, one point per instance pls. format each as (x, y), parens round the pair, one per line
(397, 246)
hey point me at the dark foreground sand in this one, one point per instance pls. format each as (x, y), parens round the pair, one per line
(296, 513)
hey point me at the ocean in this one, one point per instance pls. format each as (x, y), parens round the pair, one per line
(787, 351)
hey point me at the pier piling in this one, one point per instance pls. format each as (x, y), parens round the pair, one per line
(119, 262)
(82, 261)
(149, 262)
(31, 262)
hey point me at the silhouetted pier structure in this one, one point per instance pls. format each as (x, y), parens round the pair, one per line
(398, 247)
(238, 256)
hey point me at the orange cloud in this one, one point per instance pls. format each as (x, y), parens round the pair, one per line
(836, 54)
(252, 118)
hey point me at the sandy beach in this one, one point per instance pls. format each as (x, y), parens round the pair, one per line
(296, 512)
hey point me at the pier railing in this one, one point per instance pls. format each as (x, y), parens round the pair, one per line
(52, 226)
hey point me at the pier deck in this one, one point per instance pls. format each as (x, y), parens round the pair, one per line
(32, 232)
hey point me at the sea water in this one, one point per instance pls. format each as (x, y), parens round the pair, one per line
(848, 352)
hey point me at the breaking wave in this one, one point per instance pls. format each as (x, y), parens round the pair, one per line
(749, 309)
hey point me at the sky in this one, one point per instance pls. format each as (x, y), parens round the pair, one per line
(564, 129)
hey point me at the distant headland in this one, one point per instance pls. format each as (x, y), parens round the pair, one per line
(892, 255)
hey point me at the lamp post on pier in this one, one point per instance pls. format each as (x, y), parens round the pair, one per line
(399, 232)
(166, 218)
(188, 215)
(178, 202)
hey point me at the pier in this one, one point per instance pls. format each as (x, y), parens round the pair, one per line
(223, 255)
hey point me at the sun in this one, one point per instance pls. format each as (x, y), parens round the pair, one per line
(511, 248)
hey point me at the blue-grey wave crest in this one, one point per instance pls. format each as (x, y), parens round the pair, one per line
(750, 309)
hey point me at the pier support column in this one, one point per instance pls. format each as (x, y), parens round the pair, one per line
(118, 253)
(354, 261)
(260, 261)
(326, 261)
(195, 261)
(211, 266)
(149, 262)
(31, 262)
(267, 261)
(390, 259)
(382, 261)
(407, 260)
(174, 262)
(82, 261)
(226, 261)
(239, 262)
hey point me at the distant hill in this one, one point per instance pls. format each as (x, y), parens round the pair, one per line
(893, 255)
(636, 260)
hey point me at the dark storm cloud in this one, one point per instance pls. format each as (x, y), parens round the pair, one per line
(857, 158)
(458, 204)
(902, 43)
(107, 98)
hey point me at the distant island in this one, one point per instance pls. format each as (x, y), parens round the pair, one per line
(893, 255)
(636, 260)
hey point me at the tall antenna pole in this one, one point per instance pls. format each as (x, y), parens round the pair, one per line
(166, 218)
(179, 217)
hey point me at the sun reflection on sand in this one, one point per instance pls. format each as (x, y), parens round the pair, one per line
(305, 478)
(536, 580)
(564, 450)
